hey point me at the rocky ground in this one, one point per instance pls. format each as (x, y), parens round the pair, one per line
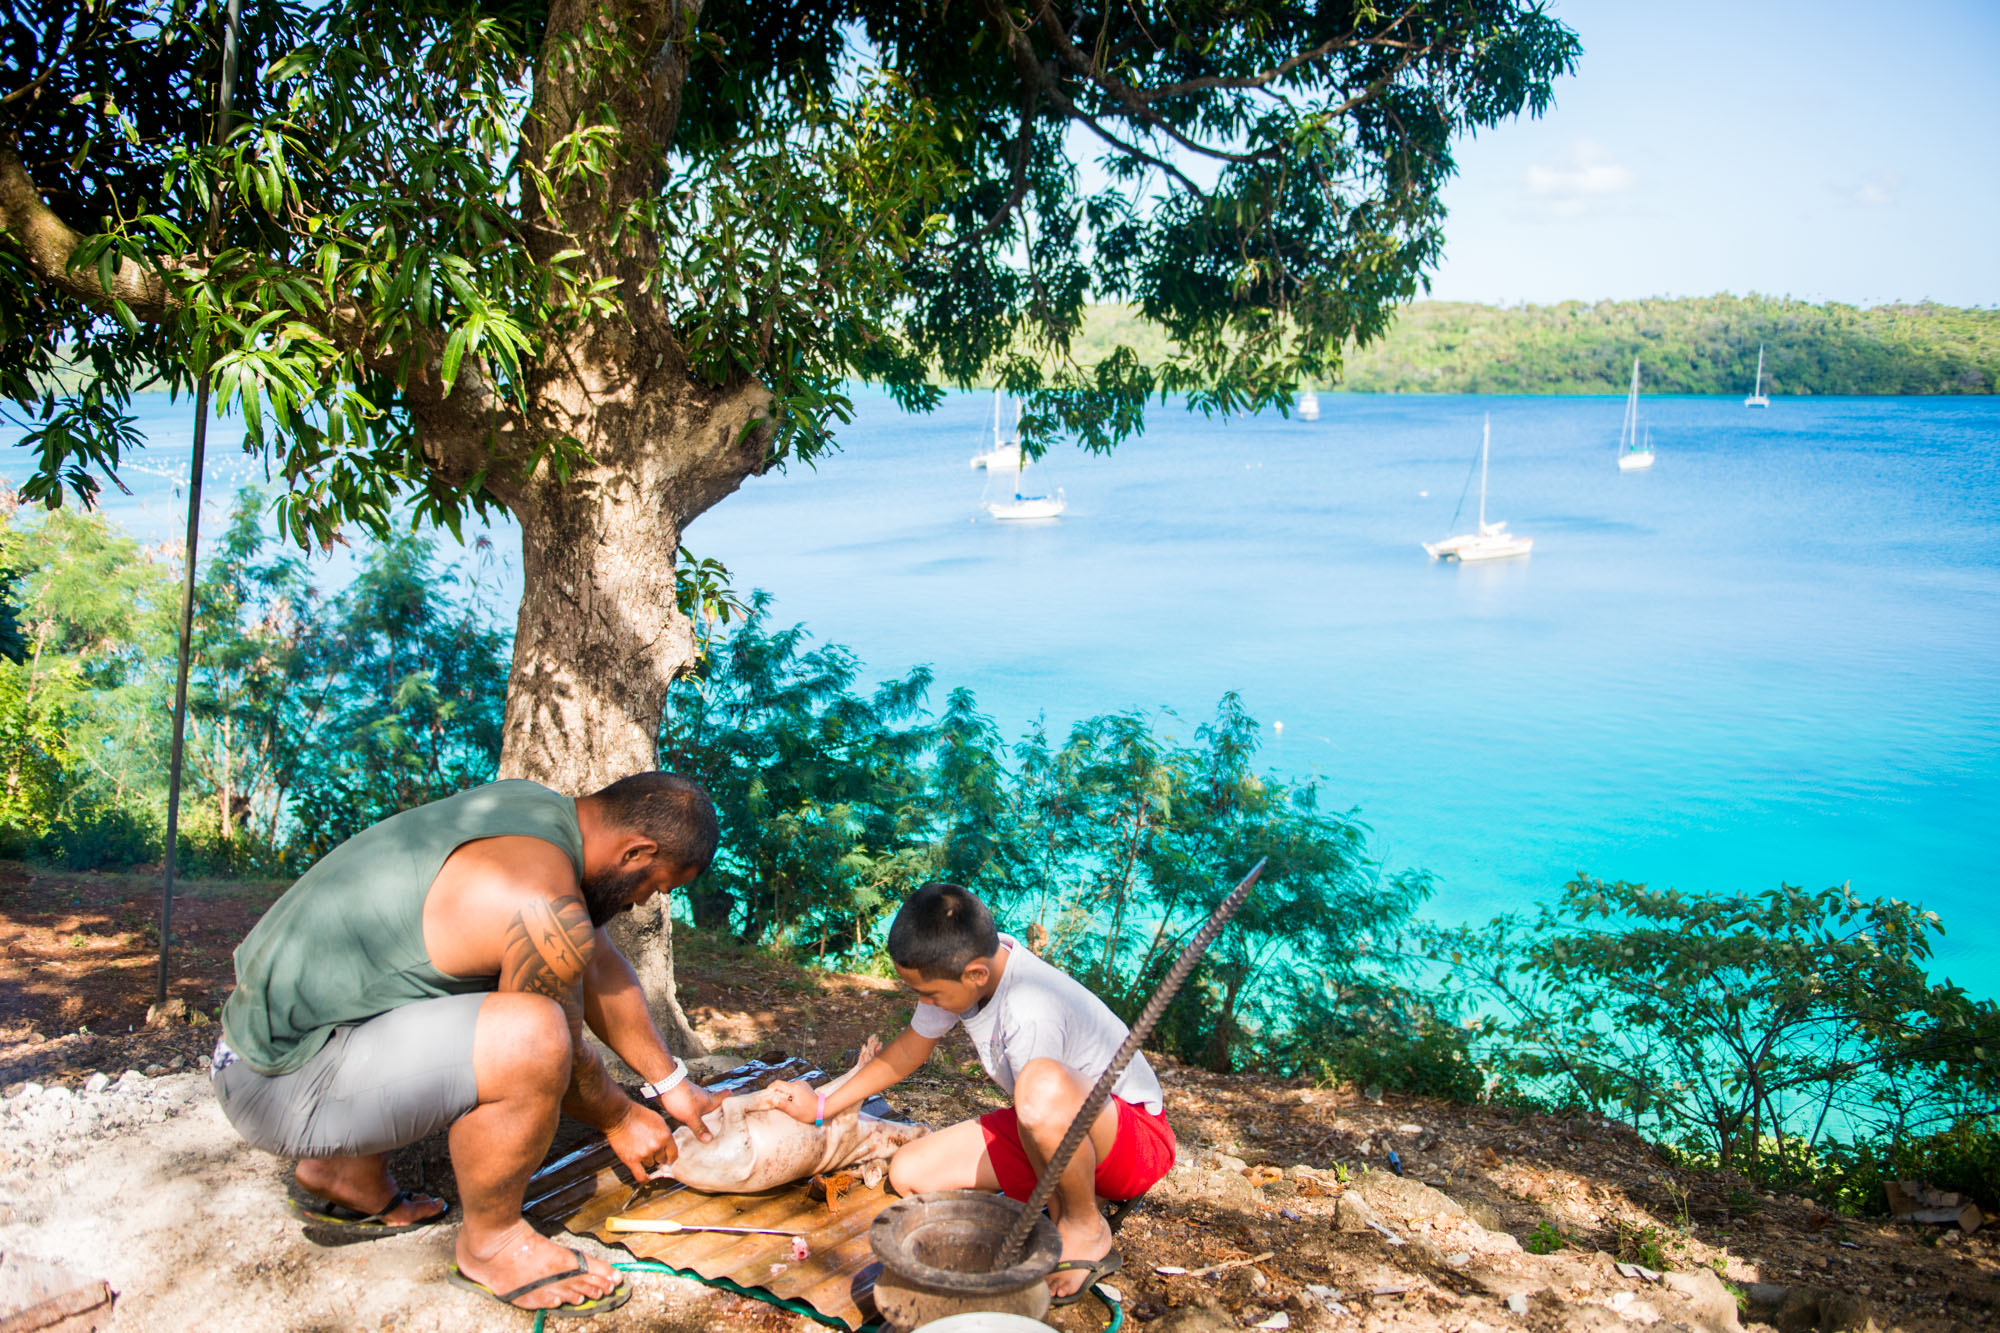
(1283, 1212)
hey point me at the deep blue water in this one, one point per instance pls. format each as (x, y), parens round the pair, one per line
(1773, 657)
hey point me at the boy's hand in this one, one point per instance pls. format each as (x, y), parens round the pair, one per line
(797, 1100)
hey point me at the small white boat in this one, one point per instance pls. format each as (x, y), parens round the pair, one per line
(1632, 455)
(1757, 398)
(1308, 406)
(1488, 541)
(1005, 455)
(1029, 506)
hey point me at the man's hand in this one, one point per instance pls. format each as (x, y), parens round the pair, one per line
(797, 1100)
(642, 1140)
(688, 1102)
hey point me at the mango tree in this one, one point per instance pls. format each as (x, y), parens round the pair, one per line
(596, 262)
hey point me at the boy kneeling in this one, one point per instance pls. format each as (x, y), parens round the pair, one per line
(1045, 1040)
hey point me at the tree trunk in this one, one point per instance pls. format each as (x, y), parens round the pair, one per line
(599, 637)
(223, 791)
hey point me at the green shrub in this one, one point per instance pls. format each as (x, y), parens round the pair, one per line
(94, 836)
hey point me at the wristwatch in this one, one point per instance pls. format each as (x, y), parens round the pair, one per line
(666, 1085)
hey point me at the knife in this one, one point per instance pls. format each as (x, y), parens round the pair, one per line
(669, 1225)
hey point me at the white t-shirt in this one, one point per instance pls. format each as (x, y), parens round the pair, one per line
(1042, 1012)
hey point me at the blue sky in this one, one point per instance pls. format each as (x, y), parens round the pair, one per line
(1837, 151)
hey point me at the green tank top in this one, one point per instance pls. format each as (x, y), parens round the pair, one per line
(346, 942)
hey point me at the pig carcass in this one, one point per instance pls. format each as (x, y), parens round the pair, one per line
(755, 1147)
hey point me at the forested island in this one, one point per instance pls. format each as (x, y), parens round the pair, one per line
(1702, 344)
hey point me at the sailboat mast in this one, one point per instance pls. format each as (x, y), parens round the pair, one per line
(1628, 434)
(1485, 443)
(1760, 370)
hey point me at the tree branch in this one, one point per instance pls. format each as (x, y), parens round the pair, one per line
(48, 244)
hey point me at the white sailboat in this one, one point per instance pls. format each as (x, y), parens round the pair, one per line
(1006, 460)
(1005, 455)
(1632, 455)
(1308, 406)
(1021, 505)
(1489, 541)
(1757, 398)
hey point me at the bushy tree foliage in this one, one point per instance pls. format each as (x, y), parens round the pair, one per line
(819, 789)
(310, 718)
(409, 673)
(1106, 852)
(1744, 1025)
(77, 710)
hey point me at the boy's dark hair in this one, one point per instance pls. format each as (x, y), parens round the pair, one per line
(939, 932)
(669, 809)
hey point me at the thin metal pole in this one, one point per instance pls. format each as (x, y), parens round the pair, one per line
(231, 37)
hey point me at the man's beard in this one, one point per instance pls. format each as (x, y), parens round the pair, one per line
(610, 892)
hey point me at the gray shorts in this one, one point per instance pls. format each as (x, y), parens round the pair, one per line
(374, 1086)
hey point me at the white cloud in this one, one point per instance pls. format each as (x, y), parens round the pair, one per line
(1877, 190)
(1588, 173)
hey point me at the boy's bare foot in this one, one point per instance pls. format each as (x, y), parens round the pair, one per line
(519, 1255)
(1086, 1238)
(363, 1184)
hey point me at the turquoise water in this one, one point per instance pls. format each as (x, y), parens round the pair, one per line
(1770, 658)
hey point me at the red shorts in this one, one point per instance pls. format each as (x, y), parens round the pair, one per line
(1142, 1152)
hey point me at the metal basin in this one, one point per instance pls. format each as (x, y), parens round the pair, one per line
(939, 1252)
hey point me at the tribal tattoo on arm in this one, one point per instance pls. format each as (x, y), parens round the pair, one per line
(547, 950)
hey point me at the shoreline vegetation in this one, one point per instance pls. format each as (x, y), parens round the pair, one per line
(1691, 345)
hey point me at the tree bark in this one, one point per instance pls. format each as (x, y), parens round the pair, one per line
(599, 637)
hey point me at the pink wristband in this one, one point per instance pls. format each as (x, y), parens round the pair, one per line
(819, 1115)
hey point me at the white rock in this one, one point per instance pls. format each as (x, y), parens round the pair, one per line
(1409, 1129)
(1459, 1260)
(56, 1095)
(130, 1077)
(97, 1082)
(1518, 1302)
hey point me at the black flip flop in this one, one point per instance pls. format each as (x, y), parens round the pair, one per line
(1099, 1269)
(574, 1310)
(328, 1223)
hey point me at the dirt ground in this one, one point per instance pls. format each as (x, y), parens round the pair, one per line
(1282, 1188)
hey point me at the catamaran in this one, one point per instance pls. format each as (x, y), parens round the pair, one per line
(1757, 398)
(1489, 541)
(1633, 455)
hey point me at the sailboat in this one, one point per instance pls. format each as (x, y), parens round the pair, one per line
(1005, 455)
(1022, 505)
(1489, 541)
(1632, 455)
(1005, 458)
(1757, 398)
(1308, 406)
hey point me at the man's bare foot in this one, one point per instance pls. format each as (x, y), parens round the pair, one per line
(363, 1184)
(519, 1255)
(1086, 1238)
